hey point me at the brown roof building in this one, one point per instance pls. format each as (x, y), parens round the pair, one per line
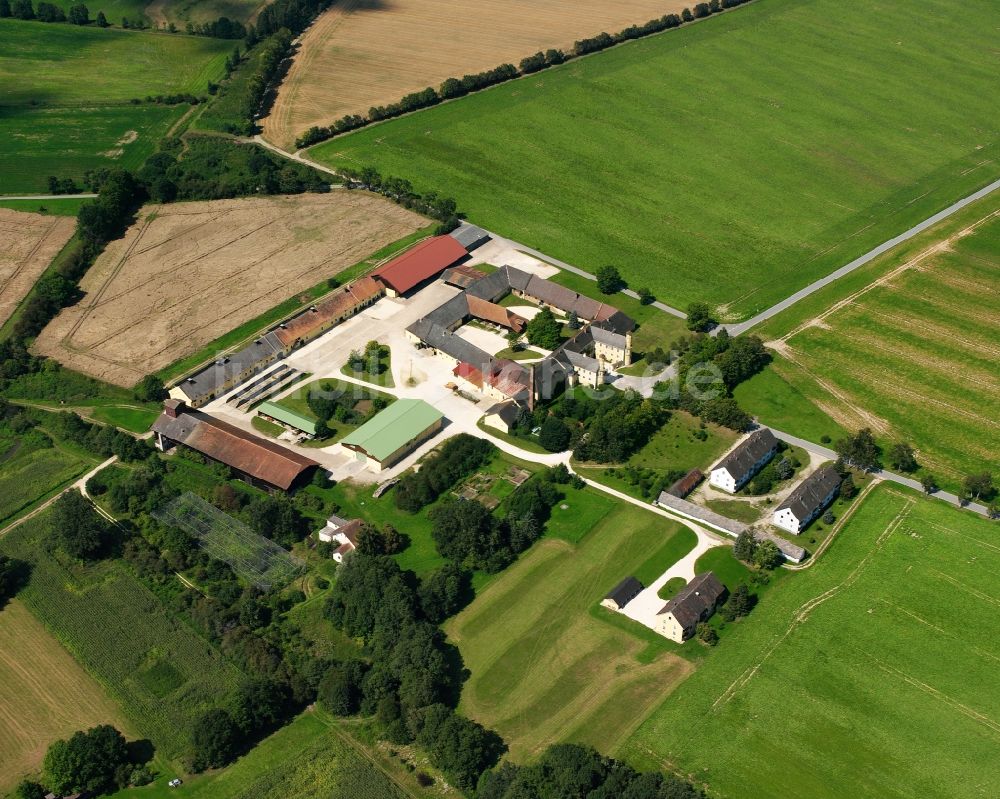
(259, 462)
(320, 318)
(694, 603)
(426, 260)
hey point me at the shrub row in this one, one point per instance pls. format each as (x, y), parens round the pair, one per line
(400, 191)
(459, 87)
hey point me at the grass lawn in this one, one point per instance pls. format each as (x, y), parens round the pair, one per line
(847, 135)
(44, 692)
(136, 420)
(873, 637)
(734, 509)
(913, 355)
(774, 401)
(545, 668)
(123, 636)
(721, 562)
(382, 378)
(271, 429)
(524, 354)
(529, 443)
(66, 207)
(675, 446)
(66, 104)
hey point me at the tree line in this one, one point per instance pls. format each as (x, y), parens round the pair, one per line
(452, 88)
(401, 191)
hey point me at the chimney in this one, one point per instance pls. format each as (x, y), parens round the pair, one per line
(172, 407)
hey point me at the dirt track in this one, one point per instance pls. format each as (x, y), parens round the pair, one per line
(186, 273)
(363, 53)
(28, 243)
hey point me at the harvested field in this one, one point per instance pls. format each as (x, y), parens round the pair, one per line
(28, 242)
(363, 53)
(42, 697)
(184, 274)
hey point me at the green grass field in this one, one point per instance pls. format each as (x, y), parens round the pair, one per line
(65, 103)
(732, 161)
(67, 207)
(911, 354)
(545, 668)
(177, 11)
(871, 674)
(30, 471)
(123, 635)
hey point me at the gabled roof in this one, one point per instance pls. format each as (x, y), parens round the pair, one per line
(507, 410)
(394, 427)
(288, 416)
(212, 377)
(221, 441)
(694, 599)
(686, 484)
(497, 314)
(420, 263)
(608, 337)
(625, 591)
(740, 462)
(470, 236)
(462, 275)
(345, 301)
(468, 372)
(812, 493)
(434, 335)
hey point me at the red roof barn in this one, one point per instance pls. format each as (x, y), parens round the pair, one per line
(428, 259)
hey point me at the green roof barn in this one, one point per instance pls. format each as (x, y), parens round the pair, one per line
(287, 417)
(394, 433)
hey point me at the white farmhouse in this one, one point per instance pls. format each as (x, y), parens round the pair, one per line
(739, 466)
(343, 532)
(808, 500)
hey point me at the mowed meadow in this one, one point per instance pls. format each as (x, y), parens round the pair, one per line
(547, 663)
(734, 160)
(871, 674)
(912, 352)
(65, 95)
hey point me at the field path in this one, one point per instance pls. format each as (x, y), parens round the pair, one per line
(742, 327)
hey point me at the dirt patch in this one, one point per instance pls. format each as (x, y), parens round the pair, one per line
(186, 273)
(364, 53)
(28, 243)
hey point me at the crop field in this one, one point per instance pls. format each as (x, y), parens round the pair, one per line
(44, 694)
(187, 273)
(913, 353)
(544, 669)
(66, 142)
(159, 671)
(845, 683)
(633, 156)
(362, 53)
(253, 557)
(28, 242)
(64, 106)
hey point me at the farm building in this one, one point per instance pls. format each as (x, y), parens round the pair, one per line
(623, 593)
(470, 236)
(344, 533)
(261, 463)
(751, 455)
(287, 418)
(686, 484)
(394, 433)
(229, 371)
(808, 500)
(461, 276)
(344, 304)
(731, 527)
(694, 603)
(421, 263)
(502, 416)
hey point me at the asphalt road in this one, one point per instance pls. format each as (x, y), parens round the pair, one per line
(891, 477)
